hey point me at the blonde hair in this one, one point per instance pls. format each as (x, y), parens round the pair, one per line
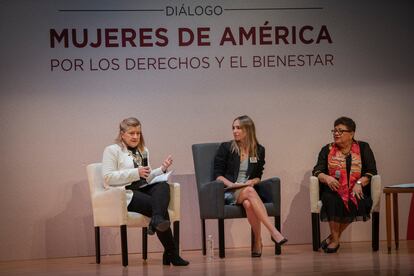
(247, 124)
(124, 126)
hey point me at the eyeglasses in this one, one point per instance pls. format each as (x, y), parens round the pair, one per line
(340, 131)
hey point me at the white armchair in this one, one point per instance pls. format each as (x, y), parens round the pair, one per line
(316, 205)
(109, 208)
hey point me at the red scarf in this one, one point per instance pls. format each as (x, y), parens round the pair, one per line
(337, 167)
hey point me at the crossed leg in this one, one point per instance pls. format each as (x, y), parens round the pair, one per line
(336, 231)
(256, 214)
(255, 224)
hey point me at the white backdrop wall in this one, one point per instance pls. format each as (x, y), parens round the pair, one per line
(54, 122)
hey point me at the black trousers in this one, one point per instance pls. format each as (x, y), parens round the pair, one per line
(153, 200)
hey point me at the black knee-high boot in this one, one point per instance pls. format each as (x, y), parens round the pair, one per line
(170, 255)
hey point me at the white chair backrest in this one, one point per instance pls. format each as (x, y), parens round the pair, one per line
(95, 177)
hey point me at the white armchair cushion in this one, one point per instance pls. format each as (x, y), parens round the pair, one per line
(314, 195)
(376, 193)
(109, 207)
(174, 206)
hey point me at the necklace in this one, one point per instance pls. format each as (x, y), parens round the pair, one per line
(243, 154)
(137, 158)
(346, 152)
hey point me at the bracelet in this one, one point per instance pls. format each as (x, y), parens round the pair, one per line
(358, 183)
(369, 176)
(317, 173)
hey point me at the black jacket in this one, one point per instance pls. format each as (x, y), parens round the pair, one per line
(227, 164)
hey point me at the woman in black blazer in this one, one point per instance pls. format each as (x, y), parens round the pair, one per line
(239, 164)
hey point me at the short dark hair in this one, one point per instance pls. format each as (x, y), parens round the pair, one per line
(348, 122)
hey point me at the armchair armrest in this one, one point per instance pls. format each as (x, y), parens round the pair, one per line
(211, 200)
(376, 192)
(269, 191)
(315, 203)
(109, 207)
(175, 201)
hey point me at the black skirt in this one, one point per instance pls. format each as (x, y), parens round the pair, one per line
(333, 208)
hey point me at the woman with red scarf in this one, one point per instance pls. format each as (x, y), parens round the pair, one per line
(344, 170)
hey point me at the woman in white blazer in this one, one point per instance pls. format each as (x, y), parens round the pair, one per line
(126, 164)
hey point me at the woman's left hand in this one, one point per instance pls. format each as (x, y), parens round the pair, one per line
(167, 163)
(357, 190)
(252, 182)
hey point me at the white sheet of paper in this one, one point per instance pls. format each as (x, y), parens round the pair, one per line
(161, 178)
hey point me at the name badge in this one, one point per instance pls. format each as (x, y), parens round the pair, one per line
(253, 160)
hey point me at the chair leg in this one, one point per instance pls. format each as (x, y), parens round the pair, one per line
(375, 231)
(144, 243)
(395, 219)
(176, 234)
(124, 245)
(278, 249)
(316, 232)
(221, 238)
(203, 236)
(97, 245)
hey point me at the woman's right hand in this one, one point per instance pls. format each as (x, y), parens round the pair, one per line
(332, 182)
(237, 185)
(144, 172)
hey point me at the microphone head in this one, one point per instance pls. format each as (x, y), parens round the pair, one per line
(337, 174)
(144, 161)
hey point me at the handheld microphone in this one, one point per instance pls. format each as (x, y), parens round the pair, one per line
(144, 161)
(337, 174)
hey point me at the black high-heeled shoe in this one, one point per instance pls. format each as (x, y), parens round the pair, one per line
(257, 254)
(324, 243)
(172, 257)
(283, 241)
(332, 250)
